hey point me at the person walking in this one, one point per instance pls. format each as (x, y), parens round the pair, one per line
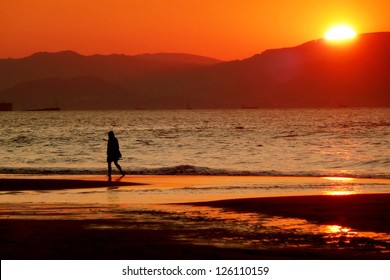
(113, 154)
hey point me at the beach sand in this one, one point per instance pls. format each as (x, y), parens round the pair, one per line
(55, 226)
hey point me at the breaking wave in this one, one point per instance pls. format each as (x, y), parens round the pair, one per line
(188, 170)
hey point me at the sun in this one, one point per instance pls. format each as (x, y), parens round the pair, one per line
(340, 32)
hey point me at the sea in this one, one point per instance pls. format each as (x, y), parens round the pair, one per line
(335, 149)
(342, 142)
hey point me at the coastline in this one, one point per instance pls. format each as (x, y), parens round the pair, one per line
(116, 226)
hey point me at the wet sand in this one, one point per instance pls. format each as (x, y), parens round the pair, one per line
(38, 184)
(124, 233)
(76, 240)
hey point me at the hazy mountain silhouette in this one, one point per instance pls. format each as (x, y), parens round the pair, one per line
(69, 64)
(322, 73)
(179, 58)
(315, 74)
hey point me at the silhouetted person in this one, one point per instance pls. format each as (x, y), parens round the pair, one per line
(113, 154)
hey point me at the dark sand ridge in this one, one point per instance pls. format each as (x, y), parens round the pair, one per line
(365, 212)
(18, 184)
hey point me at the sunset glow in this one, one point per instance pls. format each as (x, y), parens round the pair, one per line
(341, 32)
(232, 30)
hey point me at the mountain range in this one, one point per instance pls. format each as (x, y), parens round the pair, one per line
(319, 73)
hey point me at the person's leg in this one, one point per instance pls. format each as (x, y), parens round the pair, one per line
(109, 170)
(119, 167)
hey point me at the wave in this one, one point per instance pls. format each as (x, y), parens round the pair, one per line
(190, 170)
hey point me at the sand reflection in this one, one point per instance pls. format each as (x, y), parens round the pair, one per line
(260, 231)
(203, 225)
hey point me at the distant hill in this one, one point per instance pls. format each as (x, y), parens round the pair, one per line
(69, 64)
(315, 74)
(179, 58)
(322, 73)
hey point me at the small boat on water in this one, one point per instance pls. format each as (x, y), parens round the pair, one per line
(47, 109)
(249, 107)
(5, 106)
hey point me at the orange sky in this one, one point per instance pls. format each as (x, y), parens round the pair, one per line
(224, 29)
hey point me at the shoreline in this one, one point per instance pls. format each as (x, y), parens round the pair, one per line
(72, 181)
(189, 171)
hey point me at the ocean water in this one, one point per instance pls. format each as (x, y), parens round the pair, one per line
(297, 142)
